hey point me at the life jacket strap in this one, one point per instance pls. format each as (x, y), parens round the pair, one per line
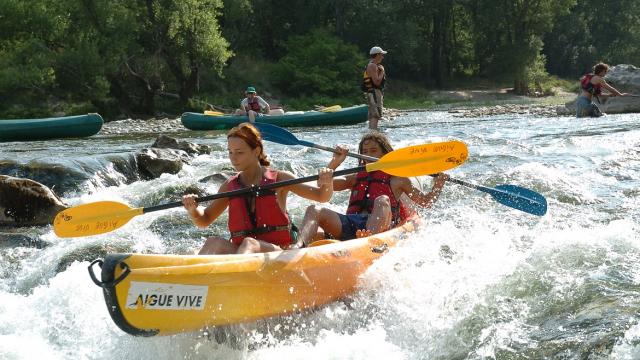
(261, 230)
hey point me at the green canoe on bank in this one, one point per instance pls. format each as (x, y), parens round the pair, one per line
(50, 128)
(345, 116)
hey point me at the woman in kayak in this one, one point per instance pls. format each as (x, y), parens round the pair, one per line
(375, 203)
(258, 222)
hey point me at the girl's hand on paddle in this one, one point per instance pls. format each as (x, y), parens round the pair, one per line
(325, 178)
(190, 202)
(338, 156)
(440, 180)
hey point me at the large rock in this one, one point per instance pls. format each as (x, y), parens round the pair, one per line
(167, 155)
(24, 202)
(166, 142)
(154, 162)
(625, 78)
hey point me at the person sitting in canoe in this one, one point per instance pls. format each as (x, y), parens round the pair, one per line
(257, 222)
(374, 205)
(253, 105)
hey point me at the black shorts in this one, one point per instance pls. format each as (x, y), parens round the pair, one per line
(352, 223)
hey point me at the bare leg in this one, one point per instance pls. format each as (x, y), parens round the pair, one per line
(240, 112)
(252, 116)
(315, 217)
(250, 245)
(374, 101)
(373, 123)
(380, 218)
(216, 245)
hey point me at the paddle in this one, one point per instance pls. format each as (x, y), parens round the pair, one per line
(333, 108)
(513, 196)
(105, 216)
(213, 113)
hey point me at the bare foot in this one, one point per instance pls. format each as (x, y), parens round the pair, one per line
(363, 233)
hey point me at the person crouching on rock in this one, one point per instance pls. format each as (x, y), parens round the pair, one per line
(592, 85)
(258, 222)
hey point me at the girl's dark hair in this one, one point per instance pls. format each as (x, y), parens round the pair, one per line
(250, 135)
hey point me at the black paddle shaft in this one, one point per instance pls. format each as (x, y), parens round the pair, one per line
(254, 189)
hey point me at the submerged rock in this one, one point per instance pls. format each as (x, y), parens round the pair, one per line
(24, 202)
(166, 142)
(154, 162)
(167, 155)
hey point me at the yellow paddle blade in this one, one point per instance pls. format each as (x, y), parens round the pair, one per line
(422, 159)
(93, 218)
(213, 113)
(333, 108)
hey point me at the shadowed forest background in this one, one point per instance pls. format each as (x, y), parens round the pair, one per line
(144, 58)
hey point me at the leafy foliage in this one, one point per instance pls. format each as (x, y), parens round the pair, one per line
(141, 57)
(319, 64)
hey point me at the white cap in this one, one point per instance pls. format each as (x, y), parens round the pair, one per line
(376, 50)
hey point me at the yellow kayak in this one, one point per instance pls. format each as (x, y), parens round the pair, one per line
(150, 294)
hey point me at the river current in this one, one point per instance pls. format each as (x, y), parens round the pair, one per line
(479, 281)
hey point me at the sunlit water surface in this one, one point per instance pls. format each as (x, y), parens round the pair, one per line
(481, 280)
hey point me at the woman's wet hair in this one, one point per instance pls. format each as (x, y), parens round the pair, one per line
(379, 138)
(599, 67)
(250, 135)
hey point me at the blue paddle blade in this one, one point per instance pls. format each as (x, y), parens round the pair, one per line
(520, 198)
(276, 134)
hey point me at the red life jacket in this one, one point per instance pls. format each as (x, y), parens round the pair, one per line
(267, 222)
(586, 84)
(254, 105)
(370, 185)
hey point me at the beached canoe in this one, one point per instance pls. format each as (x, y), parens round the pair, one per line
(150, 294)
(344, 116)
(50, 128)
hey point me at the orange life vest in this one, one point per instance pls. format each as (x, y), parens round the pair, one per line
(267, 222)
(370, 185)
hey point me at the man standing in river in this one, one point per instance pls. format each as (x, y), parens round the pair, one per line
(373, 80)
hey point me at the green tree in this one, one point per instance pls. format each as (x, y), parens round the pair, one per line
(319, 64)
(594, 31)
(508, 36)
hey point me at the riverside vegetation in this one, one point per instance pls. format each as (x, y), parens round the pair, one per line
(140, 59)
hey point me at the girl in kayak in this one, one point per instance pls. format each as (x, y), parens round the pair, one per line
(258, 221)
(374, 204)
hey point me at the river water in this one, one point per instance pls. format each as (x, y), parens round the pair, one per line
(480, 281)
